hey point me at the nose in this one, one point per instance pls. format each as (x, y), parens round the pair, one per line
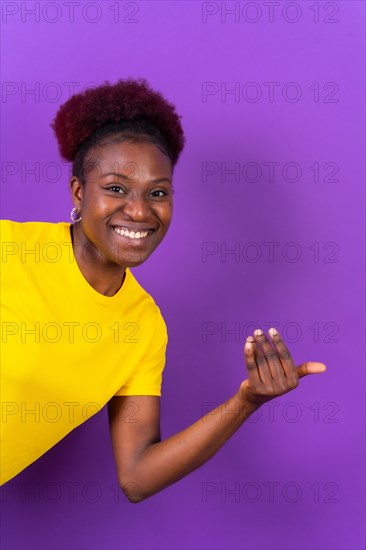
(136, 208)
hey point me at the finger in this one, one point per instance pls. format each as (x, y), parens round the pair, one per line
(263, 368)
(284, 355)
(274, 364)
(310, 367)
(249, 357)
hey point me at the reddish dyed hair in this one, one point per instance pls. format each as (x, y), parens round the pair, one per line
(129, 107)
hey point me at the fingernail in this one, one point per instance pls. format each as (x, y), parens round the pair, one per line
(258, 332)
(250, 339)
(272, 331)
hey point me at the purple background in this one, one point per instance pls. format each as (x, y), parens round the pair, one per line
(308, 445)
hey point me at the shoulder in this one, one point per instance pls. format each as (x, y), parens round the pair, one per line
(19, 240)
(29, 231)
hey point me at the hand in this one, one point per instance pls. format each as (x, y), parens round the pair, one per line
(272, 371)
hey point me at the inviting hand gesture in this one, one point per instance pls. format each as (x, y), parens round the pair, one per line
(272, 371)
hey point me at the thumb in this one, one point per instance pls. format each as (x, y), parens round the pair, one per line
(310, 367)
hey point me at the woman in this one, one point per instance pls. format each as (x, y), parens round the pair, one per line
(78, 331)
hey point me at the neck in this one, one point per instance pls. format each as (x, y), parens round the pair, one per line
(104, 276)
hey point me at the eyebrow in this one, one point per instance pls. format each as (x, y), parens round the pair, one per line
(128, 178)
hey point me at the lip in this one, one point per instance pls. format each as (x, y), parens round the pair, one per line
(135, 242)
(135, 229)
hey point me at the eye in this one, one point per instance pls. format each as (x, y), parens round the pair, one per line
(119, 190)
(160, 191)
(114, 187)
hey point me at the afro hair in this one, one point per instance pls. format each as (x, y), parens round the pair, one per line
(129, 106)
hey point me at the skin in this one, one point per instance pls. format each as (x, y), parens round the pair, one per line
(103, 202)
(145, 464)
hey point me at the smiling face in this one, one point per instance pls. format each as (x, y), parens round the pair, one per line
(128, 192)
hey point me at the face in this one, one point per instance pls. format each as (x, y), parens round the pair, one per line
(126, 203)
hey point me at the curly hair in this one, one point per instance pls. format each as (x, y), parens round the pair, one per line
(129, 109)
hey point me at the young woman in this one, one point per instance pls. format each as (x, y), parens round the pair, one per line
(78, 331)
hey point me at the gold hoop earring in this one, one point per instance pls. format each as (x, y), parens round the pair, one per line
(74, 212)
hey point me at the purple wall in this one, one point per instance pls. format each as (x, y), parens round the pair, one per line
(273, 91)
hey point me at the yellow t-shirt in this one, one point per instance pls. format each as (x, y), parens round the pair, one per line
(66, 349)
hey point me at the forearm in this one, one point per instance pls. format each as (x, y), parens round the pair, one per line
(167, 461)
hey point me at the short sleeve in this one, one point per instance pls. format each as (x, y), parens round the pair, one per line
(146, 378)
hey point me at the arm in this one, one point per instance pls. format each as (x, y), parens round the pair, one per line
(146, 465)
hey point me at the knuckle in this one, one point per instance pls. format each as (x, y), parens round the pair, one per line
(250, 366)
(285, 354)
(283, 387)
(261, 359)
(271, 355)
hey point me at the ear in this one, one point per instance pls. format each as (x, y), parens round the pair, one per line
(77, 191)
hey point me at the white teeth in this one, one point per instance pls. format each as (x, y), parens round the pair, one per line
(131, 234)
